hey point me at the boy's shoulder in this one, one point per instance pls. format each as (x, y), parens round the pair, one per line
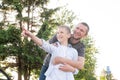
(71, 47)
(56, 44)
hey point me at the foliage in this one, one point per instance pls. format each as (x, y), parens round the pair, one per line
(65, 16)
(90, 61)
(11, 35)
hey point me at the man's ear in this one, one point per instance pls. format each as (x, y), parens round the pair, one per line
(84, 37)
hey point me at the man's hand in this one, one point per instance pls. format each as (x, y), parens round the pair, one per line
(67, 68)
(79, 64)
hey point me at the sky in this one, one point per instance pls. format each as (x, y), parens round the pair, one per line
(103, 17)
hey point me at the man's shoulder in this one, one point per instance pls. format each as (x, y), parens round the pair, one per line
(80, 44)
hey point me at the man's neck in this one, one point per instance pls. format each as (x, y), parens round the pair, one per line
(74, 41)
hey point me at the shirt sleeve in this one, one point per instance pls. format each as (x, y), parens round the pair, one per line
(47, 47)
(81, 50)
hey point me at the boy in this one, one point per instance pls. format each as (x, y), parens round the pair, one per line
(61, 49)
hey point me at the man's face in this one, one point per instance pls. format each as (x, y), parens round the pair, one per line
(62, 34)
(80, 31)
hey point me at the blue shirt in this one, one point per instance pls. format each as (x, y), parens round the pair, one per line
(53, 72)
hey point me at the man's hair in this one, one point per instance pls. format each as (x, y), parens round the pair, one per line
(85, 24)
(67, 28)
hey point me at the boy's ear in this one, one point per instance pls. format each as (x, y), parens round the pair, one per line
(69, 35)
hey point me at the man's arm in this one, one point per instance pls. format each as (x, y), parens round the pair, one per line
(67, 68)
(79, 64)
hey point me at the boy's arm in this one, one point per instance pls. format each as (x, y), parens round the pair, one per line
(79, 64)
(40, 42)
(27, 33)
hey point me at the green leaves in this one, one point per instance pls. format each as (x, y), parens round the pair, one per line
(10, 35)
(88, 73)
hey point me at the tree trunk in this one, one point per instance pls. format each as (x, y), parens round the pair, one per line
(26, 73)
(19, 69)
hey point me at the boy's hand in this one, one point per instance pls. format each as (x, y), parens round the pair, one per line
(57, 60)
(23, 32)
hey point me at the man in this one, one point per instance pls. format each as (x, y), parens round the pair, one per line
(60, 48)
(80, 31)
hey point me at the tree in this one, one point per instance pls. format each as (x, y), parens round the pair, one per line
(29, 56)
(65, 16)
(103, 75)
(88, 72)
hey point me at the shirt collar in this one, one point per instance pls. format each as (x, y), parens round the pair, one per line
(69, 45)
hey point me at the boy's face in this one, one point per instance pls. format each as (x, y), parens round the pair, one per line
(62, 35)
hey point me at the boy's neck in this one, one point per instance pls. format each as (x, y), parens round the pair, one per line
(65, 43)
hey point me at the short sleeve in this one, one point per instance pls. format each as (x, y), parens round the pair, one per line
(81, 50)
